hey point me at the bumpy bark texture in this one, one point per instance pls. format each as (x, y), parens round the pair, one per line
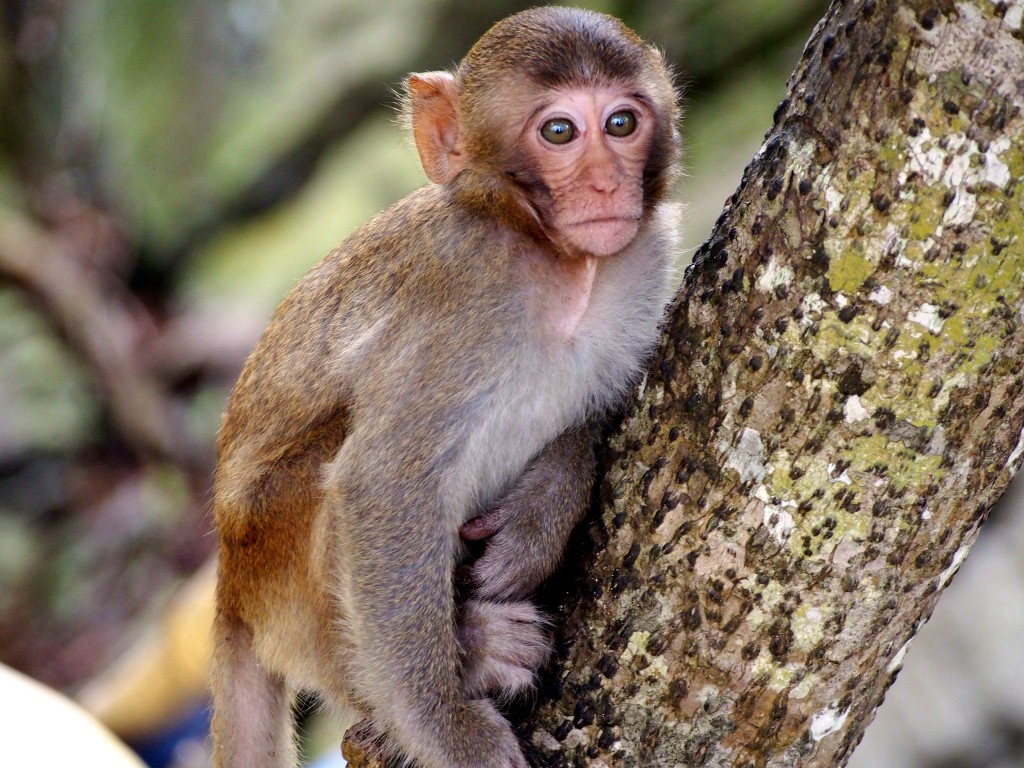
(838, 401)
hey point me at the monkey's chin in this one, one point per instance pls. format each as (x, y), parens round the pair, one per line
(602, 237)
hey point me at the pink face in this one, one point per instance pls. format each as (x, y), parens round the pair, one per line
(591, 145)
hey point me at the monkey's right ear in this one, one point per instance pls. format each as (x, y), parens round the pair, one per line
(433, 105)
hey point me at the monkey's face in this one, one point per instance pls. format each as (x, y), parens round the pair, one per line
(589, 146)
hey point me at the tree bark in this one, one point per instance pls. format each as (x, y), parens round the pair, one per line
(837, 403)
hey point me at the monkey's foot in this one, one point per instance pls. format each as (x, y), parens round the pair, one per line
(363, 746)
(503, 645)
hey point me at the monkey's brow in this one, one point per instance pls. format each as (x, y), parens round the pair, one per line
(643, 98)
(538, 109)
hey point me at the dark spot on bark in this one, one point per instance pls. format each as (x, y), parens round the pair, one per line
(847, 313)
(851, 381)
(583, 716)
(779, 110)
(950, 107)
(881, 202)
(631, 557)
(563, 730)
(814, 400)
(607, 666)
(781, 641)
(691, 619)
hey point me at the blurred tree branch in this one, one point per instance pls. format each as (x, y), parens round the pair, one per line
(103, 323)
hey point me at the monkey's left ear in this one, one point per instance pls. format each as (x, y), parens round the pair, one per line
(433, 99)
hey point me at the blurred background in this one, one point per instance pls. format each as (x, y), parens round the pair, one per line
(167, 171)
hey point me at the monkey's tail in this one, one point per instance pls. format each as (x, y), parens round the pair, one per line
(252, 707)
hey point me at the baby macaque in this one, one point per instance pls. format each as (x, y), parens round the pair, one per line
(437, 378)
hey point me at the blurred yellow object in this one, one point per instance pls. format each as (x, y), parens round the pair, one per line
(43, 727)
(164, 673)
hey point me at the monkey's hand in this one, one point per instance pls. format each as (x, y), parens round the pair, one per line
(530, 527)
(503, 645)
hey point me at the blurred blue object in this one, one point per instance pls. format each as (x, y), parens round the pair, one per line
(332, 759)
(162, 749)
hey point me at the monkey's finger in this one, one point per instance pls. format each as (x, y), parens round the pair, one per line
(482, 527)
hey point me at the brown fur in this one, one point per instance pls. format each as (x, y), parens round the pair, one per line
(443, 366)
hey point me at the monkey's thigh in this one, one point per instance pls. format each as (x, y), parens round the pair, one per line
(297, 632)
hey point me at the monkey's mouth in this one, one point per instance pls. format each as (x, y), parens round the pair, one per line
(603, 235)
(602, 220)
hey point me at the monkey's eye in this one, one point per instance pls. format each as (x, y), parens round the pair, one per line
(558, 131)
(621, 123)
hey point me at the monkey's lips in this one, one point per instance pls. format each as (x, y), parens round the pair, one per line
(603, 235)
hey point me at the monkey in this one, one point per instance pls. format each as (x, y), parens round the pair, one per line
(439, 378)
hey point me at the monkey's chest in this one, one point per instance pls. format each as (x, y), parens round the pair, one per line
(552, 382)
(570, 293)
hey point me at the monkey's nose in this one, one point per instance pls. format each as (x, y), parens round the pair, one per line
(605, 180)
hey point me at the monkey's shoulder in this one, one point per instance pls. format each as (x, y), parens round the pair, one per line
(423, 242)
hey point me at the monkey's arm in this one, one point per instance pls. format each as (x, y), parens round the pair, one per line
(394, 563)
(530, 526)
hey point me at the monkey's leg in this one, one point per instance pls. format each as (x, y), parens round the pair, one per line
(530, 527)
(252, 722)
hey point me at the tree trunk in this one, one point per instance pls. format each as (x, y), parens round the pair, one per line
(837, 403)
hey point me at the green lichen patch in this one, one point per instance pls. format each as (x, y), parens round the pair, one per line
(903, 468)
(808, 625)
(843, 338)
(848, 271)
